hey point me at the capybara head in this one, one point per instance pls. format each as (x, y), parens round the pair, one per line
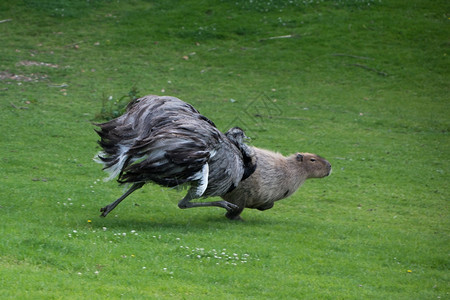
(314, 165)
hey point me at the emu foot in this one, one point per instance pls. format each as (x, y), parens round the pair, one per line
(230, 207)
(106, 210)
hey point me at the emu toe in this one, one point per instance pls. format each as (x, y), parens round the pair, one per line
(228, 206)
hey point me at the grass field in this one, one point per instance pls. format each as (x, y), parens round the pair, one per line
(364, 83)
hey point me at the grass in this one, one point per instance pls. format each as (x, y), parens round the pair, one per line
(362, 83)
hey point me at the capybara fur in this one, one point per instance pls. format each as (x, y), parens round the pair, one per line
(276, 177)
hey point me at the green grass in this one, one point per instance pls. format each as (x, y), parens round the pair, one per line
(362, 83)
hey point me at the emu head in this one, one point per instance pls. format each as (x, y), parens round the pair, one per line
(236, 135)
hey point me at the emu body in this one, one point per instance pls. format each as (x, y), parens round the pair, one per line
(167, 141)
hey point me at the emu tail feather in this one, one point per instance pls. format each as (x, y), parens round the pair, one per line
(113, 164)
(202, 180)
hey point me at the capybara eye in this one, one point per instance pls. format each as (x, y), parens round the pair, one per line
(313, 159)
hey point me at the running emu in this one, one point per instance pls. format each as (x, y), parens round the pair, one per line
(167, 141)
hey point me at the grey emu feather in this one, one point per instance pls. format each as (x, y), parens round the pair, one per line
(167, 141)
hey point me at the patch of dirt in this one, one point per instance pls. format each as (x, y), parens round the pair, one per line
(5, 75)
(35, 63)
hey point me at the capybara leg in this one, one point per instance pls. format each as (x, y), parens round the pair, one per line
(235, 214)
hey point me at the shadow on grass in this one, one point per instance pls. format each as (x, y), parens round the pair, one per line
(179, 223)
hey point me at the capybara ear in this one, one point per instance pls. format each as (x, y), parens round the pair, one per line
(299, 157)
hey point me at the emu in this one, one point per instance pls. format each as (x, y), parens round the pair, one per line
(166, 141)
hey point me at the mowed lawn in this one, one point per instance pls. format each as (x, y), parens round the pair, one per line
(363, 83)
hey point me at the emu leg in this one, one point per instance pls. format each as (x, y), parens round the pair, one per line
(186, 202)
(108, 208)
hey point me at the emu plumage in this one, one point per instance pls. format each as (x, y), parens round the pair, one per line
(164, 140)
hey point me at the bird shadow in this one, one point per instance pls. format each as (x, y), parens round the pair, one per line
(198, 223)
